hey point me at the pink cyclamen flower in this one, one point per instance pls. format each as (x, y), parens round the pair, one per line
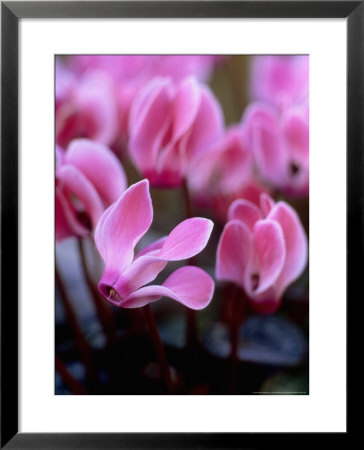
(280, 80)
(170, 125)
(262, 250)
(124, 280)
(228, 174)
(88, 179)
(86, 107)
(280, 144)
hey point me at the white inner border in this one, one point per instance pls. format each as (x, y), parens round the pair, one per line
(325, 408)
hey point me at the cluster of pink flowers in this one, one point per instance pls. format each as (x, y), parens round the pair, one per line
(159, 112)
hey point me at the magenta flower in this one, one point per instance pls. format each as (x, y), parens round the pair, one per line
(86, 107)
(280, 144)
(123, 282)
(88, 179)
(280, 80)
(262, 250)
(170, 125)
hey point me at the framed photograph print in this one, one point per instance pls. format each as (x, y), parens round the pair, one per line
(181, 221)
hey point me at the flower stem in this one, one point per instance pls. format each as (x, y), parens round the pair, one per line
(191, 318)
(102, 310)
(159, 348)
(81, 343)
(74, 386)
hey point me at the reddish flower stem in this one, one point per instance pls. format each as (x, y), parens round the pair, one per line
(104, 314)
(74, 386)
(159, 348)
(191, 318)
(81, 343)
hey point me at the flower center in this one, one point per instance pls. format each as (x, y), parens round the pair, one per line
(85, 220)
(294, 169)
(112, 294)
(254, 281)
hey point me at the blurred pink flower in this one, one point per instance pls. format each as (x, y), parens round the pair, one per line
(86, 107)
(139, 69)
(280, 144)
(129, 74)
(280, 80)
(227, 174)
(88, 179)
(262, 250)
(123, 282)
(170, 125)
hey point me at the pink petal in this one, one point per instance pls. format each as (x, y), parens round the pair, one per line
(60, 154)
(140, 272)
(186, 104)
(269, 150)
(208, 125)
(266, 203)
(98, 236)
(96, 101)
(235, 162)
(245, 212)
(79, 186)
(296, 244)
(296, 129)
(187, 239)
(149, 121)
(64, 226)
(124, 225)
(188, 285)
(100, 166)
(271, 251)
(234, 252)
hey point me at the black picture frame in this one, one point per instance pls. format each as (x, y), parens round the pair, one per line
(11, 12)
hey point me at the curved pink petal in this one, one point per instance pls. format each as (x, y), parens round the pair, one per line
(269, 151)
(190, 286)
(60, 155)
(77, 185)
(254, 115)
(149, 122)
(245, 212)
(186, 105)
(123, 226)
(208, 125)
(144, 101)
(234, 252)
(67, 223)
(296, 129)
(96, 101)
(140, 272)
(280, 79)
(100, 166)
(98, 236)
(271, 251)
(266, 203)
(170, 167)
(296, 244)
(235, 161)
(187, 239)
